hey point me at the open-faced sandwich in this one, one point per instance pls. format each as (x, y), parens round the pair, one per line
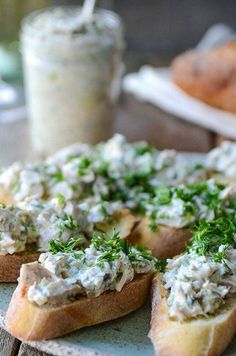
(220, 163)
(70, 288)
(114, 170)
(194, 300)
(81, 189)
(171, 213)
(27, 228)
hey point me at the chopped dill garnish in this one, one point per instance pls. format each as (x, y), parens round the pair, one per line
(70, 246)
(198, 166)
(152, 225)
(138, 179)
(163, 195)
(161, 265)
(211, 196)
(220, 255)
(60, 198)
(83, 165)
(210, 235)
(110, 248)
(67, 222)
(142, 149)
(58, 177)
(102, 170)
(104, 210)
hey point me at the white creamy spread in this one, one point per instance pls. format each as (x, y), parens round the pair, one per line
(112, 164)
(222, 159)
(62, 156)
(198, 285)
(96, 181)
(48, 220)
(16, 230)
(56, 220)
(90, 272)
(180, 207)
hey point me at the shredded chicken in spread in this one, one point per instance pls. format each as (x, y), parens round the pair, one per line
(89, 272)
(222, 159)
(197, 285)
(87, 185)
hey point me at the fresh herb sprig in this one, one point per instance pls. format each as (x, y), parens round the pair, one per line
(67, 222)
(70, 246)
(83, 165)
(144, 148)
(110, 247)
(210, 235)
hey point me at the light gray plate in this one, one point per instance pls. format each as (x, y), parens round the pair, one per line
(125, 336)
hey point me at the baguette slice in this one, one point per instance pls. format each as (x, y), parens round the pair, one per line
(165, 242)
(123, 221)
(6, 197)
(197, 337)
(10, 265)
(27, 321)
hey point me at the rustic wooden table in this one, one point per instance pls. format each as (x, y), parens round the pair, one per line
(135, 120)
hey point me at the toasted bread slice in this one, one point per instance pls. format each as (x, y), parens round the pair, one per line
(6, 197)
(27, 321)
(123, 221)
(165, 242)
(10, 265)
(196, 337)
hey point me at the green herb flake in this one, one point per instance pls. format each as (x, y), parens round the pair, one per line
(83, 165)
(70, 246)
(152, 225)
(60, 198)
(163, 195)
(141, 150)
(161, 265)
(210, 235)
(67, 222)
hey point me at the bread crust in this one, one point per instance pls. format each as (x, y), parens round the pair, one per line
(10, 265)
(27, 321)
(209, 77)
(122, 221)
(197, 337)
(6, 197)
(165, 242)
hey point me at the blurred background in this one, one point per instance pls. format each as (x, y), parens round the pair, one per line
(155, 32)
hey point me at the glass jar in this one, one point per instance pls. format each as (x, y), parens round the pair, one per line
(72, 75)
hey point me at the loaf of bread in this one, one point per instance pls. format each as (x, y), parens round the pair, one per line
(208, 76)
